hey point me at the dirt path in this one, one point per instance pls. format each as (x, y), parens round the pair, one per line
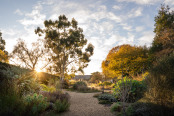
(84, 104)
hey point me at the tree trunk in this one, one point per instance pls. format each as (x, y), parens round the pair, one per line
(63, 71)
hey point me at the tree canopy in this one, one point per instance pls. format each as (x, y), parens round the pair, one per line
(163, 43)
(130, 60)
(96, 77)
(67, 42)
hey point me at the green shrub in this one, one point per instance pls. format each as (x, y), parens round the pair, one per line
(116, 107)
(35, 104)
(105, 102)
(134, 89)
(108, 97)
(79, 84)
(61, 106)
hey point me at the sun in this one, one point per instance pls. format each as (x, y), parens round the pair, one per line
(38, 70)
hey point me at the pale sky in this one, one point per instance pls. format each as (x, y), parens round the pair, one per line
(106, 23)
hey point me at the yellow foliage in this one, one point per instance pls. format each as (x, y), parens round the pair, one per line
(48, 88)
(3, 57)
(129, 59)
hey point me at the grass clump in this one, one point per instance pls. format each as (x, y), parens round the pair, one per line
(61, 106)
(11, 104)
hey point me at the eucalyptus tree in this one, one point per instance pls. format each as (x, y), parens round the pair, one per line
(67, 42)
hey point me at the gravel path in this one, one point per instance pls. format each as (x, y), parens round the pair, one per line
(84, 104)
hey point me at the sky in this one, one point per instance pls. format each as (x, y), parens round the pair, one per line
(106, 23)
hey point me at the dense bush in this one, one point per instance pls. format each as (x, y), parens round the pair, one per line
(79, 84)
(83, 88)
(148, 109)
(35, 104)
(134, 89)
(61, 106)
(104, 102)
(108, 97)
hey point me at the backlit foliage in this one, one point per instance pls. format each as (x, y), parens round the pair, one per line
(130, 60)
